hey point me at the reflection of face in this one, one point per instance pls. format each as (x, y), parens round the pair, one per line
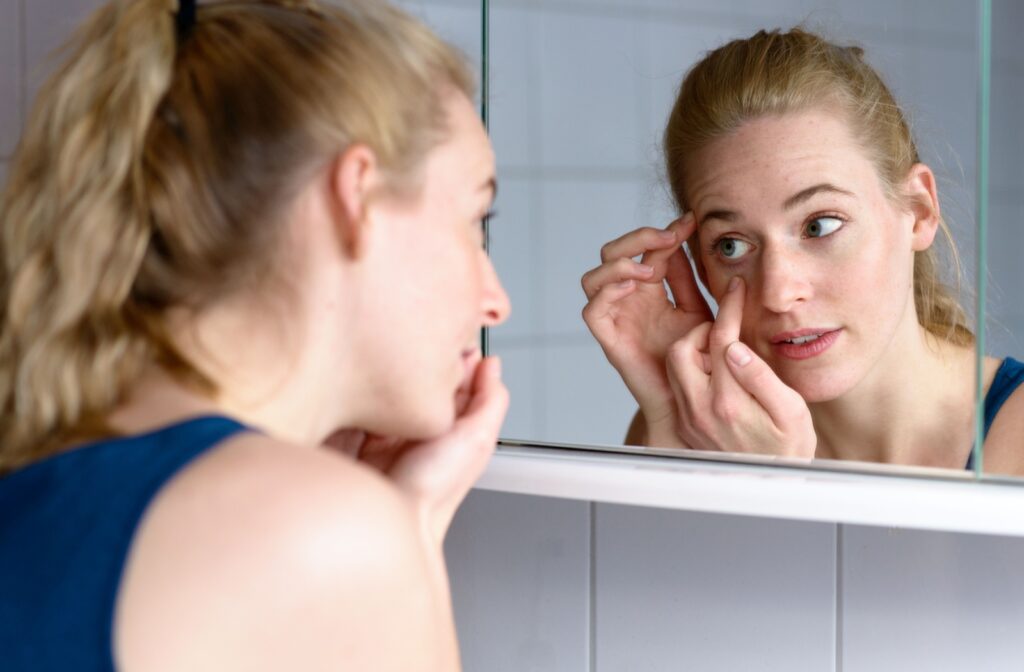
(442, 286)
(794, 206)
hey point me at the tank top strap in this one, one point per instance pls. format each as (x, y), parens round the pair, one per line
(1009, 376)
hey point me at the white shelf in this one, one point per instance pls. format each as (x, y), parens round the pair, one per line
(931, 500)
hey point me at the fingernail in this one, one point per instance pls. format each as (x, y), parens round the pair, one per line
(738, 353)
(667, 235)
(625, 284)
(644, 268)
(734, 282)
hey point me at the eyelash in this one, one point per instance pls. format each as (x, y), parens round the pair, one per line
(715, 247)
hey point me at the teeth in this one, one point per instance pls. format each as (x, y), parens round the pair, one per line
(803, 339)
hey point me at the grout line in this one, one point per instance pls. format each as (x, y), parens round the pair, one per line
(592, 635)
(839, 598)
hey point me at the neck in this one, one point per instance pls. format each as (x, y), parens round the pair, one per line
(915, 407)
(271, 373)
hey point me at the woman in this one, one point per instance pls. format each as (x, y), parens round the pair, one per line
(811, 221)
(243, 283)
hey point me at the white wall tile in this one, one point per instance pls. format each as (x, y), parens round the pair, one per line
(589, 90)
(587, 402)
(1005, 318)
(10, 75)
(48, 24)
(930, 601)
(457, 23)
(515, 66)
(577, 218)
(1007, 141)
(521, 372)
(520, 582)
(1007, 22)
(696, 591)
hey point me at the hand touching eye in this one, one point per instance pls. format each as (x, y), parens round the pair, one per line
(728, 398)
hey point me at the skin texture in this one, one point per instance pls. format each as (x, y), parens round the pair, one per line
(316, 544)
(792, 207)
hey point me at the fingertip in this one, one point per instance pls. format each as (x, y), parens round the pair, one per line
(738, 354)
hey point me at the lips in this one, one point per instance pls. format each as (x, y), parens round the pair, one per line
(804, 343)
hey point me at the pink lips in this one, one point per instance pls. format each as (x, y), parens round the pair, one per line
(825, 338)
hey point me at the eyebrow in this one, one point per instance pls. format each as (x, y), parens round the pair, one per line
(790, 203)
(806, 194)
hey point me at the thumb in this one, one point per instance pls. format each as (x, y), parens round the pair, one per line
(781, 402)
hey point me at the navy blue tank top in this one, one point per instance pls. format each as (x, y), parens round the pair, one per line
(1009, 377)
(66, 526)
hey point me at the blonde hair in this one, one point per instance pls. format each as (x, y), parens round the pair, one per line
(156, 172)
(774, 73)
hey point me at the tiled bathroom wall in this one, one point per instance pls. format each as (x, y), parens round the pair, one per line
(549, 585)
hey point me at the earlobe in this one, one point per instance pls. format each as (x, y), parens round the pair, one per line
(923, 199)
(353, 179)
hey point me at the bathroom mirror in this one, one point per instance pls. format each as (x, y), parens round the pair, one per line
(578, 95)
(1001, 231)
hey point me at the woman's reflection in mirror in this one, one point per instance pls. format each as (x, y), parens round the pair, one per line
(813, 223)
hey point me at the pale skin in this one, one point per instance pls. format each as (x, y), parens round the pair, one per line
(316, 544)
(790, 213)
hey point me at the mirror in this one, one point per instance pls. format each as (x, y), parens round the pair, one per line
(579, 93)
(1001, 232)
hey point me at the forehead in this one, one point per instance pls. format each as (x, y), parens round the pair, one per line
(773, 157)
(466, 152)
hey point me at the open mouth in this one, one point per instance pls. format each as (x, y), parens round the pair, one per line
(805, 343)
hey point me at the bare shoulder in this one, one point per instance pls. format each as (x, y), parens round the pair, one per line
(262, 555)
(1004, 445)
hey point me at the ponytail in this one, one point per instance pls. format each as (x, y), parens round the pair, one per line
(157, 172)
(75, 228)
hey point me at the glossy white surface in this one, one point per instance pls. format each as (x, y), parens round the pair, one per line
(755, 490)
(520, 583)
(930, 601)
(679, 590)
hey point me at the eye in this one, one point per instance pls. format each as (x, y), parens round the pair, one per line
(731, 248)
(819, 227)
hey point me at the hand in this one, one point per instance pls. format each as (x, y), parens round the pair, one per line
(437, 474)
(728, 398)
(632, 317)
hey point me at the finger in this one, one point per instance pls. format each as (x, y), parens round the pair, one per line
(489, 402)
(725, 332)
(599, 313)
(618, 270)
(687, 373)
(639, 241)
(659, 259)
(783, 404)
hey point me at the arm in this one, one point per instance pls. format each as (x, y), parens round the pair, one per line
(270, 557)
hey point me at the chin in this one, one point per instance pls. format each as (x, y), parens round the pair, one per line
(819, 386)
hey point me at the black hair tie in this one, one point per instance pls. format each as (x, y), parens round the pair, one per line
(185, 18)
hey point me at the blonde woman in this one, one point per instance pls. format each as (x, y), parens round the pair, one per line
(812, 222)
(242, 287)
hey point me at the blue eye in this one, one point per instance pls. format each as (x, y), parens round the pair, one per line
(819, 227)
(732, 248)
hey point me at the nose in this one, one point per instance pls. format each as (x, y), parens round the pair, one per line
(495, 304)
(784, 280)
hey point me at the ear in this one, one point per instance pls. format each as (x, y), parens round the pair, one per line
(353, 180)
(923, 198)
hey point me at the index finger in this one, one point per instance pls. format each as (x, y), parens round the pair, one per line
(726, 331)
(640, 241)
